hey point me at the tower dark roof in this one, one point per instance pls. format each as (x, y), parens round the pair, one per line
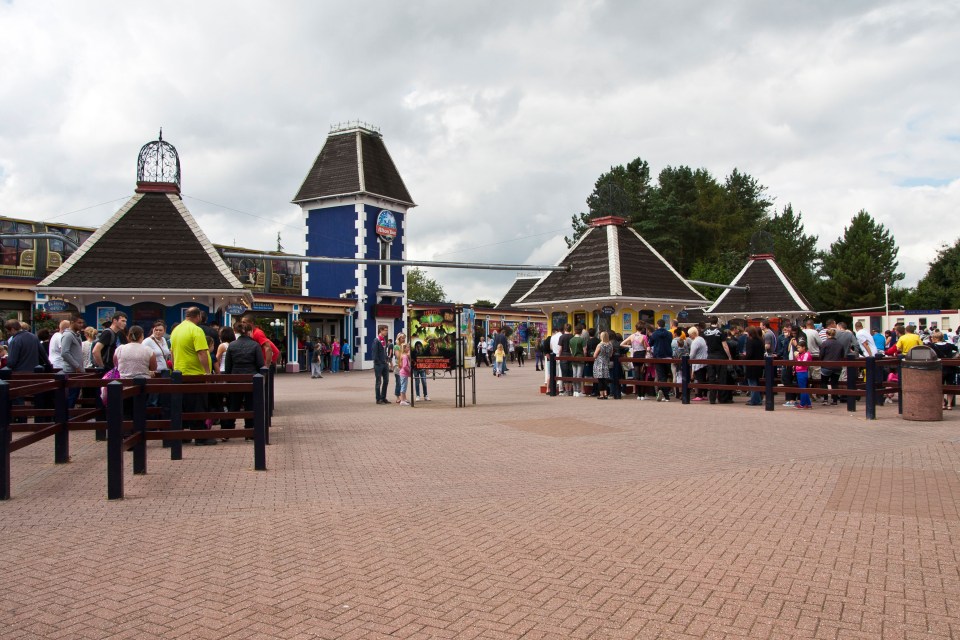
(152, 242)
(354, 161)
(520, 286)
(771, 292)
(613, 261)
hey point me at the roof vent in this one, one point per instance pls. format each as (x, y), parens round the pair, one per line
(607, 221)
(158, 167)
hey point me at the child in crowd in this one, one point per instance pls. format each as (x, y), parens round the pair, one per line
(404, 373)
(801, 370)
(498, 357)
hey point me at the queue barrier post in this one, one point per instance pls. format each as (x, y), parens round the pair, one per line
(552, 371)
(853, 374)
(684, 380)
(871, 399)
(616, 376)
(61, 439)
(900, 385)
(5, 436)
(115, 440)
(267, 377)
(140, 427)
(259, 424)
(768, 373)
(176, 417)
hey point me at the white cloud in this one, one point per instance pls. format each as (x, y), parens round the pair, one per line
(500, 116)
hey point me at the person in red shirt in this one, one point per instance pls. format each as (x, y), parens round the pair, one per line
(271, 355)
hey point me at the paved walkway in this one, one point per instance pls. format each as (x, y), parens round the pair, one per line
(521, 517)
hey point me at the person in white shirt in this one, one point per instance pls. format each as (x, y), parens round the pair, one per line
(158, 344)
(56, 349)
(865, 341)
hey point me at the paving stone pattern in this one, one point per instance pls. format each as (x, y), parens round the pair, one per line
(522, 517)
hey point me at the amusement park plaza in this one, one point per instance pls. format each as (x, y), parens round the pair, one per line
(520, 516)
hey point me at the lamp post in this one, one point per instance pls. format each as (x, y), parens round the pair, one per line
(277, 324)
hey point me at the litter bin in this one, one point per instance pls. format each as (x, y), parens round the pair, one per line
(921, 381)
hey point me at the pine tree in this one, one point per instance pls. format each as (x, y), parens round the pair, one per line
(796, 252)
(858, 264)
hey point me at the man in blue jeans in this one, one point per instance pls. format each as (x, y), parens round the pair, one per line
(661, 342)
(380, 367)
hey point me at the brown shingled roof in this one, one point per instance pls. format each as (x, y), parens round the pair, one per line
(613, 261)
(520, 286)
(354, 162)
(771, 292)
(152, 242)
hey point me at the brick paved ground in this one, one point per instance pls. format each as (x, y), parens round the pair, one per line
(524, 516)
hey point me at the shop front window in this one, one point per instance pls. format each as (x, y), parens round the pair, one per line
(286, 276)
(14, 250)
(59, 251)
(558, 319)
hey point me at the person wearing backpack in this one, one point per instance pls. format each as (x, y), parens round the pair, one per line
(110, 338)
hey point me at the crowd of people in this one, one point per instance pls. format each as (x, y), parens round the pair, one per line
(395, 357)
(802, 346)
(117, 351)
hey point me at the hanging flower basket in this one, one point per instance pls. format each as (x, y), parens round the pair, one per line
(301, 329)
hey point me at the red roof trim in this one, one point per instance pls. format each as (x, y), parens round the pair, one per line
(607, 221)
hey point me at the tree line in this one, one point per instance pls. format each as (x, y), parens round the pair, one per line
(707, 228)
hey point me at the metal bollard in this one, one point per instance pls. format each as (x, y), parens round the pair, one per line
(61, 415)
(768, 373)
(115, 440)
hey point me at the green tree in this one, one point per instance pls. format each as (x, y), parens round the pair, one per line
(623, 191)
(721, 269)
(940, 287)
(796, 252)
(858, 264)
(421, 288)
(744, 208)
(483, 303)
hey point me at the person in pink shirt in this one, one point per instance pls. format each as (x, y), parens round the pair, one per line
(802, 357)
(335, 356)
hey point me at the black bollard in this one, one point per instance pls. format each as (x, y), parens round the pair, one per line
(61, 416)
(768, 373)
(115, 440)
(871, 399)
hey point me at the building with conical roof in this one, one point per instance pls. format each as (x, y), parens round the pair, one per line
(149, 259)
(355, 205)
(767, 293)
(615, 279)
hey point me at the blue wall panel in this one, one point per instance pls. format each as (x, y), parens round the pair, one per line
(331, 232)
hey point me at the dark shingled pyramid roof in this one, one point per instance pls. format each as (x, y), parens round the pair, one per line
(771, 292)
(520, 286)
(152, 242)
(612, 260)
(351, 162)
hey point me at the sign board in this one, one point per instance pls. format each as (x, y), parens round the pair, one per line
(388, 310)
(55, 306)
(263, 306)
(433, 334)
(607, 311)
(386, 226)
(235, 309)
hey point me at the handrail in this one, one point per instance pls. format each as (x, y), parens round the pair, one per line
(48, 408)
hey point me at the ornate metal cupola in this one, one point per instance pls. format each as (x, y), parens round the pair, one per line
(158, 167)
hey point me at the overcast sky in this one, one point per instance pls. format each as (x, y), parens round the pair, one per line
(499, 115)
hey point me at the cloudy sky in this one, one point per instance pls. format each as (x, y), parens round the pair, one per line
(499, 115)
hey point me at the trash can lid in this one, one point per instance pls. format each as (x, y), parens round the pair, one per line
(921, 357)
(921, 352)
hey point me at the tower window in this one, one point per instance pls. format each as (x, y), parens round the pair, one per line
(384, 268)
